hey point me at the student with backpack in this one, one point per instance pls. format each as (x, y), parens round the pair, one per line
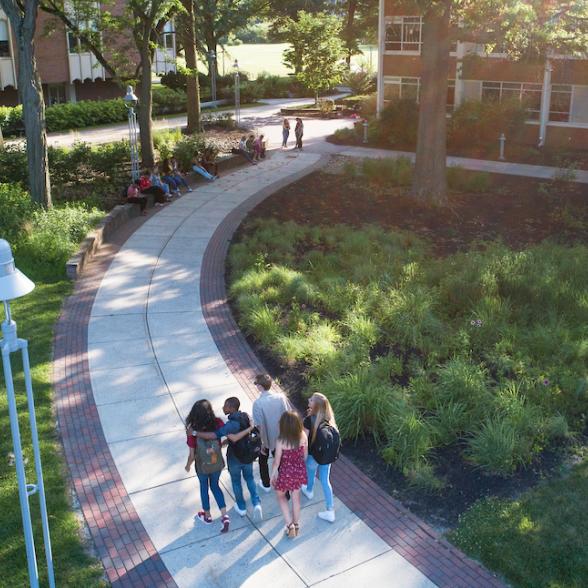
(240, 453)
(208, 458)
(324, 443)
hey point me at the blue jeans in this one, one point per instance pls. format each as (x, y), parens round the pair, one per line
(285, 135)
(180, 181)
(236, 468)
(202, 172)
(324, 472)
(171, 182)
(212, 479)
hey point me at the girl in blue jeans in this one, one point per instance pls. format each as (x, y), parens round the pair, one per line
(202, 418)
(319, 411)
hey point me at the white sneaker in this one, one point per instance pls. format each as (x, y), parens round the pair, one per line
(257, 512)
(264, 488)
(240, 512)
(306, 493)
(327, 515)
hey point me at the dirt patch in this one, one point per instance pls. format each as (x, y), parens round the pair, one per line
(520, 212)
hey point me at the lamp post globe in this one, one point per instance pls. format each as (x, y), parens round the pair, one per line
(14, 284)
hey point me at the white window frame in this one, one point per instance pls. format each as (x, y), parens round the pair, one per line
(521, 89)
(400, 20)
(398, 81)
(7, 40)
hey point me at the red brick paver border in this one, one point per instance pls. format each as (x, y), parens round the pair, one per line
(121, 542)
(441, 562)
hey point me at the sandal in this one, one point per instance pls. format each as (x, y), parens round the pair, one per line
(225, 521)
(296, 529)
(206, 519)
(291, 531)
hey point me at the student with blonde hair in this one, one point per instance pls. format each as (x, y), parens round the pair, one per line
(289, 471)
(324, 444)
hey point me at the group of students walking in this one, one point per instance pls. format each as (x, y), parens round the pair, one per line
(301, 449)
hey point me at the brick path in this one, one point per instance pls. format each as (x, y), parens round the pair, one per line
(140, 549)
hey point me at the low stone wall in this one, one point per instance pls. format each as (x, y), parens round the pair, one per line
(119, 215)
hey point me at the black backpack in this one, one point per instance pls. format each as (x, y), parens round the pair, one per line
(247, 450)
(326, 445)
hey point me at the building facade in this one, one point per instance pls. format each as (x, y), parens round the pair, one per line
(69, 71)
(555, 92)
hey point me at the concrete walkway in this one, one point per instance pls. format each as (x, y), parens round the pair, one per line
(482, 165)
(154, 336)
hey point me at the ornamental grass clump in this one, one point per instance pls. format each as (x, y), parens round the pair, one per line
(484, 350)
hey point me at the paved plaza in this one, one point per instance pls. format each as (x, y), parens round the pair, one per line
(146, 334)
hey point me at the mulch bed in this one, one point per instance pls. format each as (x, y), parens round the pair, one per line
(518, 212)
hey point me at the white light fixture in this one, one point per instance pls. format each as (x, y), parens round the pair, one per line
(14, 284)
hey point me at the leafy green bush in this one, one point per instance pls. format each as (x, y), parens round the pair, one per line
(16, 211)
(481, 123)
(166, 101)
(187, 148)
(361, 81)
(467, 181)
(397, 125)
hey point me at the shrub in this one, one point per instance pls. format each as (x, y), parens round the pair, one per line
(467, 181)
(397, 125)
(13, 164)
(361, 81)
(481, 123)
(167, 101)
(187, 148)
(16, 211)
(388, 172)
(165, 140)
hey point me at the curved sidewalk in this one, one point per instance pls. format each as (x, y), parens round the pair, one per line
(147, 333)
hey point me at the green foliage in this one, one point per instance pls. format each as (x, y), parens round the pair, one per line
(535, 541)
(16, 211)
(397, 125)
(466, 181)
(484, 349)
(187, 148)
(481, 123)
(90, 113)
(317, 50)
(361, 81)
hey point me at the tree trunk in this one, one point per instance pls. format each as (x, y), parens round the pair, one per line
(430, 177)
(193, 87)
(351, 9)
(145, 108)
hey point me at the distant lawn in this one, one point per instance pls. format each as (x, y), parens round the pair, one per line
(538, 541)
(255, 59)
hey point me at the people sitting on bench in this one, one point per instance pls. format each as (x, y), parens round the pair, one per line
(197, 168)
(134, 196)
(147, 187)
(208, 160)
(244, 151)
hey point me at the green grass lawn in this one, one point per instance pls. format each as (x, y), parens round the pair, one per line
(35, 315)
(538, 541)
(255, 59)
(42, 241)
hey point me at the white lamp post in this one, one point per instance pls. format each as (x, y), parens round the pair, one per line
(14, 284)
(237, 94)
(131, 101)
(212, 72)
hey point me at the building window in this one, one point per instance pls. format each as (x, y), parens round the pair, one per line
(167, 36)
(450, 96)
(80, 44)
(4, 40)
(402, 89)
(561, 102)
(527, 94)
(56, 94)
(403, 33)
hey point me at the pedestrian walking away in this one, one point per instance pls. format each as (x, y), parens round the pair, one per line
(208, 458)
(299, 132)
(289, 469)
(240, 454)
(324, 443)
(285, 132)
(267, 410)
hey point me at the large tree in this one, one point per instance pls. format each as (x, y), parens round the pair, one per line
(317, 50)
(104, 30)
(23, 19)
(185, 26)
(529, 29)
(360, 24)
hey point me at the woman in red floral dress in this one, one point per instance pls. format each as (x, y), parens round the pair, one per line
(289, 469)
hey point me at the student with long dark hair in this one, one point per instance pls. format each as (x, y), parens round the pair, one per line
(208, 458)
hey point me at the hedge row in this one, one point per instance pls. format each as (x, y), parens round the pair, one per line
(87, 113)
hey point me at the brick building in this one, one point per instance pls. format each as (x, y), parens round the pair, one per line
(68, 71)
(555, 92)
